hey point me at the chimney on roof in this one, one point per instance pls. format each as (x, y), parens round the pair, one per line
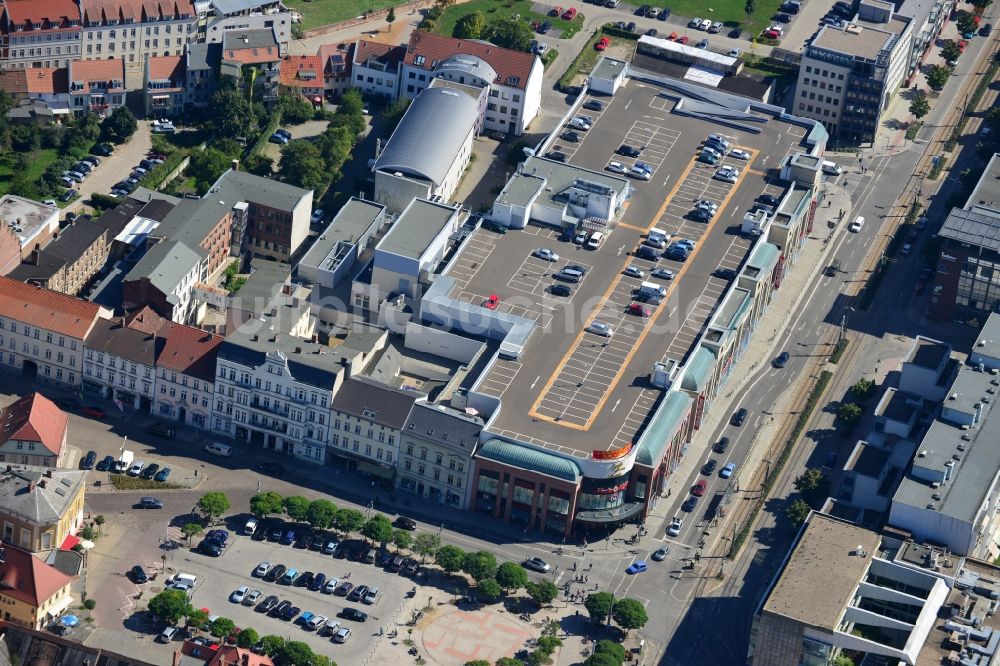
(236, 165)
(41, 484)
(31, 486)
(48, 474)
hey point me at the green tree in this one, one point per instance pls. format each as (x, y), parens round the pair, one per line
(378, 529)
(480, 565)
(222, 627)
(615, 650)
(393, 113)
(489, 590)
(426, 544)
(206, 166)
(169, 605)
(271, 644)
(470, 26)
(950, 50)
(197, 618)
(477, 662)
(302, 165)
(120, 125)
(25, 138)
(231, 114)
(349, 520)
(390, 17)
(813, 485)
(543, 593)
(321, 513)
(598, 605)
(863, 388)
(601, 659)
(294, 653)
(843, 660)
(259, 164)
(938, 76)
(247, 638)
(508, 661)
(349, 112)
(512, 576)
(450, 558)
(214, 504)
(749, 8)
(797, 512)
(297, 508)
(849, 413)
(401, 539)
(629, 614)
(966, 22)
(920, 106)
(191, 530)
(263, 504)
(509, 33)
(295, 109)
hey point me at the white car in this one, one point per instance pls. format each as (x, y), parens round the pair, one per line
(342, 635)
(641, 174)
(734, 53)
(616, 167)
(675, 527)
(662, 273)
(253, 596)
(695, 23)
(707, 205)
(316, 621)
(317, 215)
(857, 224)
(634, 271)
(600, 328)
(728, 174)
(239, 594)
(262, 569)
(136, 468)
(331, 586)
(739, 154)
(705, 24)
(546, 254)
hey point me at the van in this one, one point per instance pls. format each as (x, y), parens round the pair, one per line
(218, 449)
(183, 581)
(658, 234)
(831, 169)
(568, 276)
(595, 240)
(250, 527)
(370, 556)
(167, 635)
(718, 139)
(653, 288)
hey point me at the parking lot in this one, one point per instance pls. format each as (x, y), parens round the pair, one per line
(596, 382)
(218, 577)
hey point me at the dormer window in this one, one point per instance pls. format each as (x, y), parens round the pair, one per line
(418, 60)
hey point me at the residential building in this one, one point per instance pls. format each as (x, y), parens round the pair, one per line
(28, 24)
(435, 453)
(928, 369)
(136, 30)
(32, 593)
(33, 222)
(71, 261)
(259, 49)
(41, 94)
(227, 16)
(848, 75)
(201, 64)
(336, 59)
(42, 332)
(33, 432)
(185, 375)
(375, 68)
(165, 86)
(22, 643)
(513, 79)
(120, 364)
(40, 508)
(425, 158)
(929, 17)
(303, 75)
(96, 86)
(163, 279)
(339, 246)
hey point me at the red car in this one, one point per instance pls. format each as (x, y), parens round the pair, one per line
(93, 412)
(961, 45)
(604, 43)
(637, 309)
(683, 39)
(556, 11)
(772, 34)
(698, 489)
(492, 303)
(569, 14)
(672, 36)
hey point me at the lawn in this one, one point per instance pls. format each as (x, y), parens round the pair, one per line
(38, 161)
(325, 12)
(730, 12)
(492, 9)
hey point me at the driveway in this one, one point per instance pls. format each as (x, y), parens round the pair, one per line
(116, 167)
(306, 129)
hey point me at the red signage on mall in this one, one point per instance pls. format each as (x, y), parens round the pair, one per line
(612, 490)
(613, 454)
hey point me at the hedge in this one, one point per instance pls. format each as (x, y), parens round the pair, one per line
(158, 174)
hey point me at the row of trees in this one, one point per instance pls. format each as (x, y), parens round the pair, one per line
(813, 487)
(173, 606)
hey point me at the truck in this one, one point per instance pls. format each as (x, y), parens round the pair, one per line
(124, 462)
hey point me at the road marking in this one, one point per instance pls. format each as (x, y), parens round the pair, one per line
(616, 404)
(536, 381)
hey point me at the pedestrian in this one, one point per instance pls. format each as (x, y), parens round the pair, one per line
(574, 566)
(578, 612)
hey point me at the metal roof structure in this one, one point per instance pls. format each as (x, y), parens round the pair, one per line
(523, 457)
(428, 139)
(971, 228)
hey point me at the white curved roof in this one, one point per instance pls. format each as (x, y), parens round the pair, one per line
(430, 135)
(469, 64)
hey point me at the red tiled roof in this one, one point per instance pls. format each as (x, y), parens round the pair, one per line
(164, 68)
(388, 54)
(97, 10)
(230, 655)
(435, 48)
(39, 11)
(46, 309)
(97, 70)
(302, 72)
(146, 320)
(189, 350)
(26, 578)
(46, 80)
(34, 418)
(14, 81)
(251, 55)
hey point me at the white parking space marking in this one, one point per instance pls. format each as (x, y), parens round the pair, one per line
(653, 141)
(499, 378)
(637, 415)
(477, 250)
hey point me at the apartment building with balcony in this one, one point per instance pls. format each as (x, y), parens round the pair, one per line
(336, 59)
(133, 30)
(44, 33)
(375, 67)
(119, 363)
(302, 75)
(227, 16)
(42, 332)
(185, 375)
(257, 50)
(96, 86)
(164, 86)
(201, 66)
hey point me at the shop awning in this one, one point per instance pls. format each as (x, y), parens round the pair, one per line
(375, 470)
(59, 606)
(616, 515)
(69, 542)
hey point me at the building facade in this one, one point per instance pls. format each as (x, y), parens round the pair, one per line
(435, 454)
(120, 363)
(165, 86)
(40, 34)
(375, 68)
(185, 375)
(96, 86)
(32, 593)
(133, 31)
(33, 515)
(33, 432)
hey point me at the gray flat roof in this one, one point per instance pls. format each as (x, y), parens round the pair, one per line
(866, 43)
(416, 227)
(987, 192)
(868, 460)
(988, 342)
(266, 278)
(557, 176)
(245, 186)
(608, 68)
(350, 223)
(165, 264)
(928, 353)
(973, 471)
(822, 572)
(897, 405)
(972, 228)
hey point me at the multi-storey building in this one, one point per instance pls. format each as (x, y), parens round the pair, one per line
(163, 279)
(185, 379)
(120, 363)
(96, 86)
(33, 432)
(33, 593)
(40, 509)
(136, 29)
(848, 75)
(165, 85)
(241, 15)
(302, 75)
(435, 453)
(42, 332)
(70, 261)
(336, 59)
(202, 69)
(375, 68)
(40, 34)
